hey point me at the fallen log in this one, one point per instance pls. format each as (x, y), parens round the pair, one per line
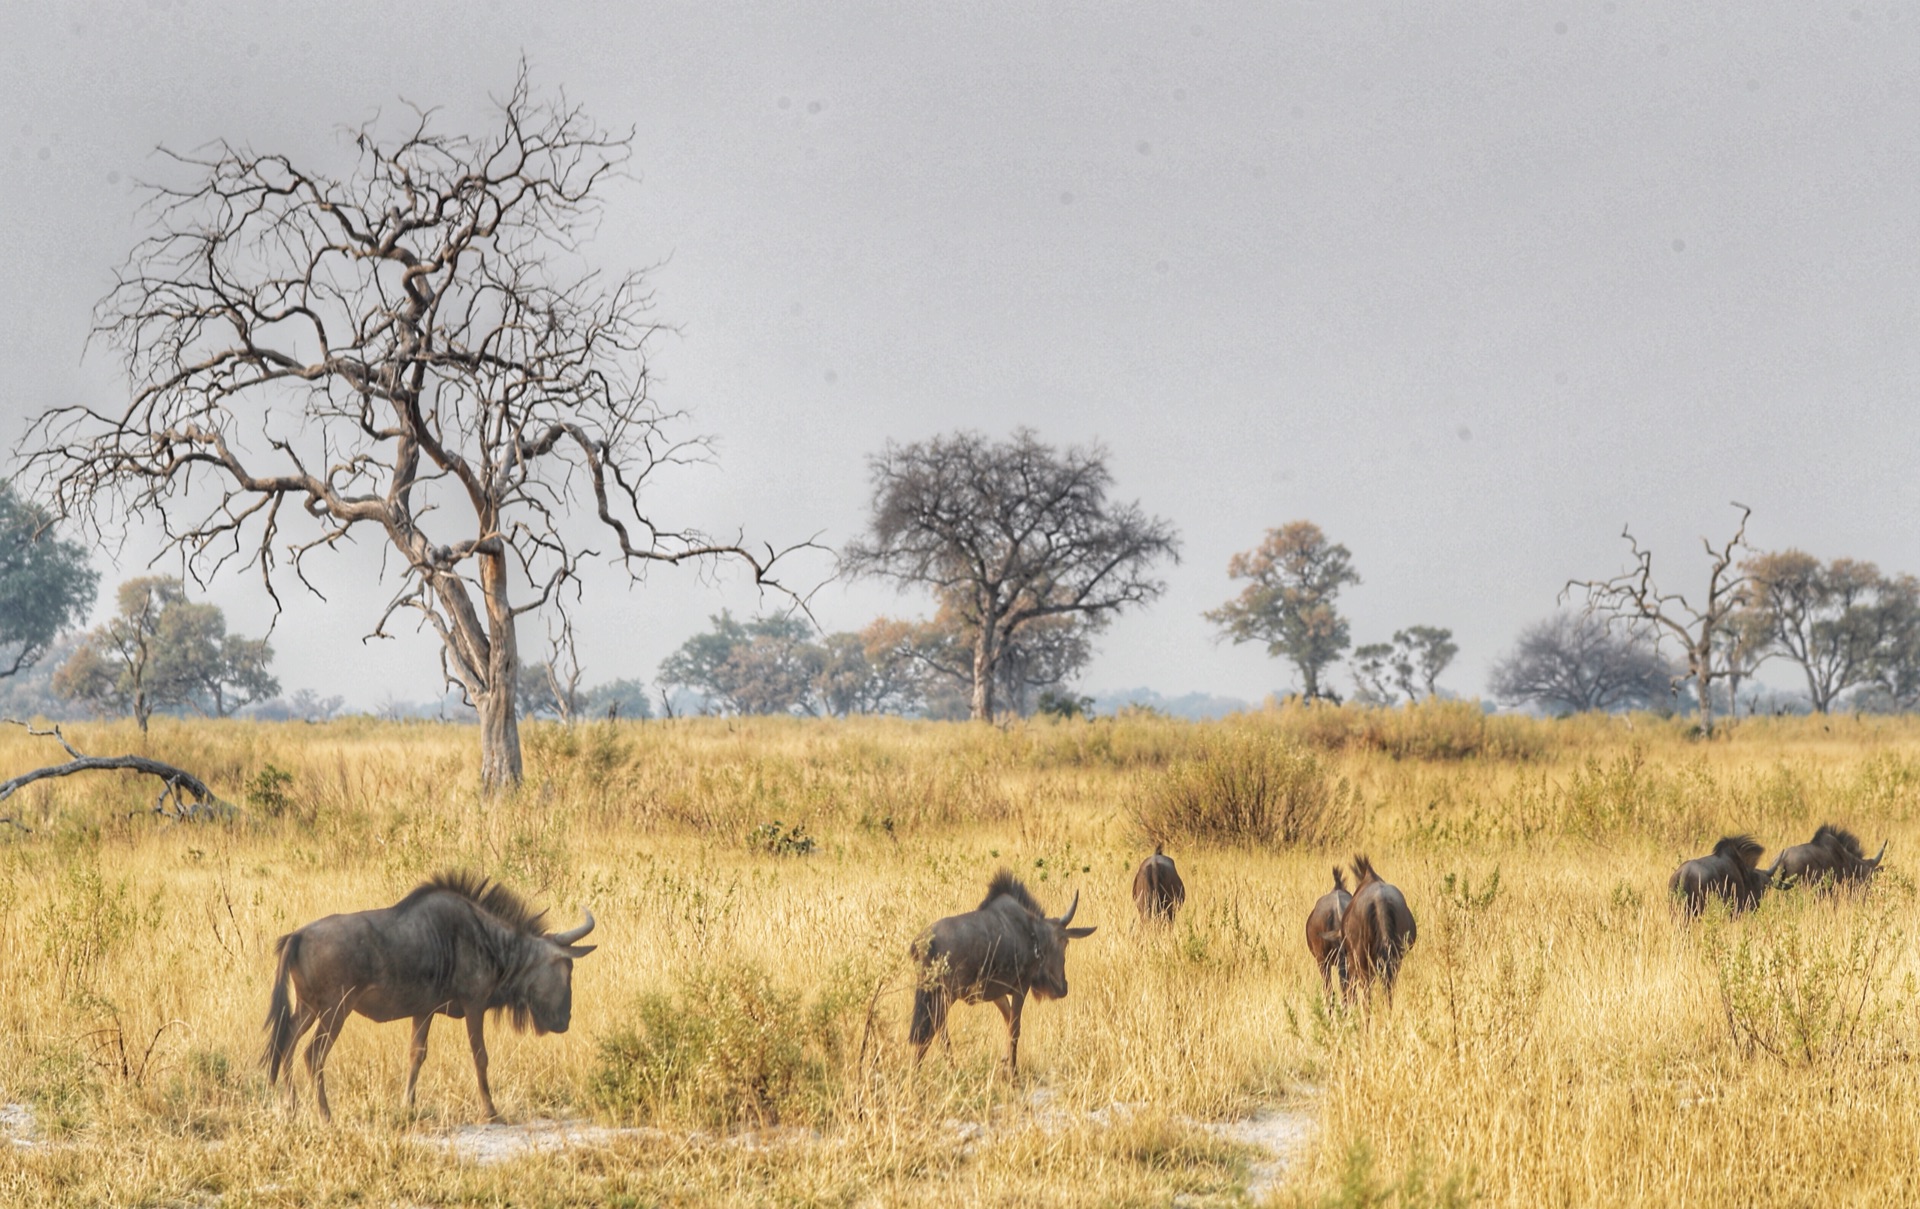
(190, 797)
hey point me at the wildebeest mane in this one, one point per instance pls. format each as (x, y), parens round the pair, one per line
(1339, 881)
(1830, 836)
(488, 895)
(1743, 849)
(1004, 882)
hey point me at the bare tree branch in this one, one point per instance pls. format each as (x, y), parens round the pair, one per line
(416, 351)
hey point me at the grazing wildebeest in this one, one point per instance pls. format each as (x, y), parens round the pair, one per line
(1376, 930)
(1832, 859)
(1157, 888)
(1323, 932)
(995, 953)
(1730, 872)
(458, 945)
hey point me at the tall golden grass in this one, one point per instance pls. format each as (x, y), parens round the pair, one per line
(1557, 1037)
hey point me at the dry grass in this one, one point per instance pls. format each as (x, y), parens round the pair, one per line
(1556, 1037)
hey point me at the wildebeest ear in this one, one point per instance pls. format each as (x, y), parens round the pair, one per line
(1080, 933)
(576, 950)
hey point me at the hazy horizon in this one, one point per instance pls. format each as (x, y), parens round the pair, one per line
(1469, 288)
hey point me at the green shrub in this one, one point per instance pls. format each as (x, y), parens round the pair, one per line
(1804, 1001)
(729, 1049)
(267, 791)
(1247, 787)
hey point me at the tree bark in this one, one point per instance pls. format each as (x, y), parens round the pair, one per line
(983, 661)
(1702, 662)
(500, 767)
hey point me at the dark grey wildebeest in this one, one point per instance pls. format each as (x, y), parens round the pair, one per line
(1158, 891)
(1323, 932)
(996, 953)
(1833, 859)
(1730, 872)
(1376, 930)
(457, 946)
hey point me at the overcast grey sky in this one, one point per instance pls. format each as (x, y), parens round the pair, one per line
(1468, 285)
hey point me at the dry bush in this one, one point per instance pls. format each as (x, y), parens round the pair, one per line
(1243, 786)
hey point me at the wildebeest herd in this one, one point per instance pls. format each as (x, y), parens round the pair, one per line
(1732, 873)
(461, 946)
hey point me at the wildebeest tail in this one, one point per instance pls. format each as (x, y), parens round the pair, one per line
(281, 1033)
(926, 1012)
(1339, 880)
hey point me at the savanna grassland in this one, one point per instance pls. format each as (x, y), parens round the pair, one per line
(1557, 1037)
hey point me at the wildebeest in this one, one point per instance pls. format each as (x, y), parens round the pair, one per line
(1730, 872)
(1831, 859)
(1157, 888)
(1323, 932)
(458, 945)
(1004, 948)
(1376, 930)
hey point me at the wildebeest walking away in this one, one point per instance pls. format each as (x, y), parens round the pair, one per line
(1158, 891)
(1730, 872)
(1832, 859)
(1323, 932)
(458, 946)
(1376, 930)
(996, 953)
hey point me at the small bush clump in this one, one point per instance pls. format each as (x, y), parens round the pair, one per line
(792, 841)
(730, 1049)
(1244, 787)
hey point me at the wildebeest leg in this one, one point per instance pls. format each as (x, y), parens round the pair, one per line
(303, 1019)
(1010, 1007)
(417, 1052)
(317, 1049)
(477, 1041)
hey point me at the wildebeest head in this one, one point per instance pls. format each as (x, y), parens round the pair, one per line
(1049, 969)
(546, 985)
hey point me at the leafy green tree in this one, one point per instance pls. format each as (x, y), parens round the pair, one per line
(46, 586)
(1833, 619)
(768, 665)
(1373, 666)
(162, 651)
(1293, 579)
(1419, 654)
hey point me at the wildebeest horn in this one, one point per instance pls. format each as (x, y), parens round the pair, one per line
(573, 934)
(1881, 853)
(1071, 908)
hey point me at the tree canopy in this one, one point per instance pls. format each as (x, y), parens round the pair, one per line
(46, 584)
(1575, 662)
(161, 651)
(1293, 578)
(1009, 536)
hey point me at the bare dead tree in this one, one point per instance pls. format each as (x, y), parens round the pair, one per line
(1008, 534)
(563, 669)
(1632, 596)
(415, 349)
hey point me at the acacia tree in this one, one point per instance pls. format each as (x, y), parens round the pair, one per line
(46, 585)
(1833, 619)
(1420, 654)
(1293, 578)
(1010, 535)
(414, 350)
(1632, 596)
